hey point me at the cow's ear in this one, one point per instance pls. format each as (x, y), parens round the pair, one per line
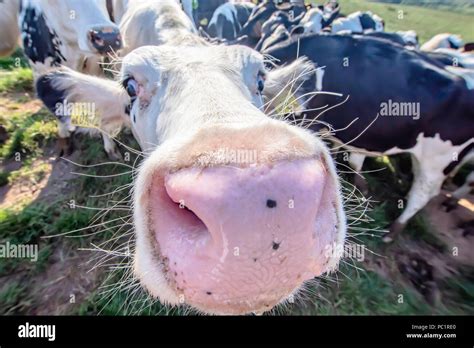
(65, 87)
(287, 84)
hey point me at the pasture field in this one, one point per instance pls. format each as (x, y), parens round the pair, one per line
(428, 270)
(426, 22)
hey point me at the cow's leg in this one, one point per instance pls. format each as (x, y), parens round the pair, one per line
(427, 181)
(452, 202)
(65, 131)
(110, 128)
(356, 161)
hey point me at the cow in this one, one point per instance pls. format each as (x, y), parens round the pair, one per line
(138, 28)
(9, 32)
(315, 20)
(445, 40)
(201, 11)
(71, 33)
(279, 25)
(356, 22)
(228, 19)
(458, 58)
(252, 30)
(66, 33)
(214, 230)
(407, 39)
(398, 101)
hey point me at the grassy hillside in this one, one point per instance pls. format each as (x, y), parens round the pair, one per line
(425, 21)
(464, 6)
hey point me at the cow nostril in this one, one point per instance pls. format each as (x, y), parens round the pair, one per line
(105, 40)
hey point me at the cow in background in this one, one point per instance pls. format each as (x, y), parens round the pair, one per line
(228, 20)
(75, 34)
(391, 100)
(9, 31)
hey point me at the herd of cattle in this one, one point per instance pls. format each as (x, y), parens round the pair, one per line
(197, 77)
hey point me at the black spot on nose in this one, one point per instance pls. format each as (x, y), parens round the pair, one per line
(275, 245)
(209, 293)
(271, 203)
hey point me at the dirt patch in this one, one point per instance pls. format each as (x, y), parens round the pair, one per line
(47, 179)
(422, 266)
(16, 102)
(66, 283)
(449, 227)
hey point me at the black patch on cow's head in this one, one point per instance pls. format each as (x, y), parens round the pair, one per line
(366, 21)
(39, 41)
(49, 94)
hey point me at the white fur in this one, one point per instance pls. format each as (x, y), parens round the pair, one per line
(410, 37)
(9, 32)
(466, 74)
(466, 59)
(141, 25)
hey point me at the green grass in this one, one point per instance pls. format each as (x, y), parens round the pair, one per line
(367, 293)
(17, 80)
(425, 21)
(28, 133)
(16, 60)
(12, 298)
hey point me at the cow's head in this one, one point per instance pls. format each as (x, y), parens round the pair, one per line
(233, 210)
(252, 29)
(278, 22)
(371, 21)
(81, 23)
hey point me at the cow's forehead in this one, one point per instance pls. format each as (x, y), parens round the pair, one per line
(171, 58)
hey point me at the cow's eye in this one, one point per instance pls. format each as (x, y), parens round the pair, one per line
(131, 86)
(260, 83)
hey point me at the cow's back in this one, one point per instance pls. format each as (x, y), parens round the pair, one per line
(370, 72)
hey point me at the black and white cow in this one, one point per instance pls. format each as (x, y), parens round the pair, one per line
(72, 33)
(66, 32)
(408, 38)
(9, 32)
(228, 20)
(252, 30)
(215, 232)
(316, 20)
(399, 101)
(278, 26)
